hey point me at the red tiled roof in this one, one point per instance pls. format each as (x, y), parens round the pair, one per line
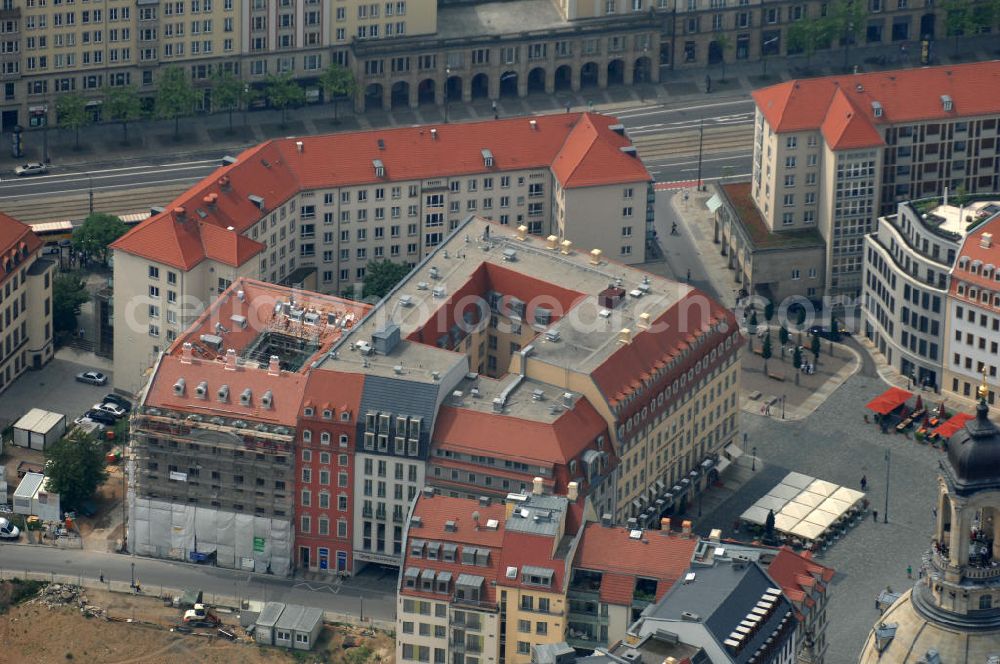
(520, 549)
(17, 243)
(617, 588)
(798, 574)
(906, 95)
(574, 431)
(580, 148)
(669, 334)
(846, 128)
(611, 551)
(972, 247)
(286, 389)
(336, 390)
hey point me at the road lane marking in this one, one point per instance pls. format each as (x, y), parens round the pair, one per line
(138, 185)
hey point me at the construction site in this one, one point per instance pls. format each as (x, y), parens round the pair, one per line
(213, 435)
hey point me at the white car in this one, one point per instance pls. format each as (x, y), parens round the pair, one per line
(92, 377)
(110, 409)
(31, 168)
(8, 530)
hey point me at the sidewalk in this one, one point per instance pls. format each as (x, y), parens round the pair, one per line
(205, 136)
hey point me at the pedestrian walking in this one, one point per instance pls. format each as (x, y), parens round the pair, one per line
(875, 516)
(909, 571)
(689, 275)
(864, 482)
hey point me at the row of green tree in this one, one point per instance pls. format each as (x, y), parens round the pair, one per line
(176, 97)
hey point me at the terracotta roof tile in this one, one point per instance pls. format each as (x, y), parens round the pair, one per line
(905, 95)
(17, 243)
(797, 573)
(580, 148)
(617, 588)
(846, 128)
(972, 247)
(520, 549)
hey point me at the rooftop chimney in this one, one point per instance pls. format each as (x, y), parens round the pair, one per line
(274, 366)
(522, 232)
(572, 491)
(300, 146)
(624, 336)
(434, 134)
(552, 242)
(537, 486)
(715, 536)
(567, 245)
(231, 360)
(186, 352)
(686, 528)
(533, 124)
(665, 525)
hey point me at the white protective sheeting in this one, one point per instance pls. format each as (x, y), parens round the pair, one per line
(162, 529)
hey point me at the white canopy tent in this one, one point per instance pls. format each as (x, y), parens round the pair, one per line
(804, 506)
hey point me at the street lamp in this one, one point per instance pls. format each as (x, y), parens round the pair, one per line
(753, 459)
(701, 137)
(763, 56)
(782, 403)
(133, 576)
(885, 512)
(447, 77)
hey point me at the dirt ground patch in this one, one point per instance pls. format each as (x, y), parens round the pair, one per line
(40, 635)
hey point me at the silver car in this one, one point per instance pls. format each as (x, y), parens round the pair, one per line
(8, 530)
(31, 168)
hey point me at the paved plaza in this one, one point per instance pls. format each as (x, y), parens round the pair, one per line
(834, 443)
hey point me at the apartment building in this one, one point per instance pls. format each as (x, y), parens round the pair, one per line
(972, 319)
(907, 262)
(281, 207)
(485, 581)
(324, 480)
(558, 439)
(617, 574)
(833, 153)
(215, 432)
(25, 302)
(656, 359)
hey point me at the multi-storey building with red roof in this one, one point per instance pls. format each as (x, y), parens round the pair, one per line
(617, 573)
(314, 211)
(972, 313)
(806, 584)
(324, 480)
(214, 433)
(834, 153)
(25, 301)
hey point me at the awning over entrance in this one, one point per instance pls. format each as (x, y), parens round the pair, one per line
(889, 400)
(733, 451)
(949, 428)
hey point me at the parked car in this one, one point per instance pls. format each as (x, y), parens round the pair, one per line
(827, 333)
(31, 168)
(83, 419)
(92, 377)
(118, 400)
(101, 417)
(112, 409)
(8, 530)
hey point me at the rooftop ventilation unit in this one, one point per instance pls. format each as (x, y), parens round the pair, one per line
(201, 390)
(497, 405)
(986, 240)
(267, 400)
(474, 392)
(537, 395)
(406, 300)
(533, 124)
(246, 396)
(256, 200)
(567, 398)
(434, 134)
(689, 577)
(434, 273)
(179, 387)
(423, 285)
(439, 291)
(458, 394)
(398, 369)
(363, 347)
(552, 335)
(510, 255)
(386, 339)
(690, 616)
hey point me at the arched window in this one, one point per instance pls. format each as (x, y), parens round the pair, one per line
(985, 602)
(307, 436)
(343, 440)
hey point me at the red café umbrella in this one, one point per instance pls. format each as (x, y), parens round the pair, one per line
(941, 410)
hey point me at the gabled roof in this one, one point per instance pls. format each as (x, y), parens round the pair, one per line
(579, 147)
(904, 95)
(524, 549)
(982, 249)
(532, 441)
(799, 575)
(846, 128)
(17, 243)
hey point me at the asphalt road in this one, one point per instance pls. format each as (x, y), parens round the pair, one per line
(152, 574)
(69, 180)
(680, 253)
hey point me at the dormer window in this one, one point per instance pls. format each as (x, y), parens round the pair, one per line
(946, 103)
(379, 168)
(327, 414)
(345, 416)
(308, 411)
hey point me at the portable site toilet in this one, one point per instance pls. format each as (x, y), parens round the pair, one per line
(285, 627)
(263, 631)
(306, 632)
(38, 428)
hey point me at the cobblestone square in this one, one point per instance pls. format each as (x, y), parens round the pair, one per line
(834, 443)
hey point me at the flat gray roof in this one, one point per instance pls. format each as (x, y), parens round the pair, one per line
(269, 614)
(488, 18)
(290, 617)
(538, 515)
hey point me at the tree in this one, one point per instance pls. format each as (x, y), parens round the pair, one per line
(724, 43)
(752, 323)
(75, 467)
(815, 347)
(800, 322)
(123, 105)
(959, 21)
(845, 20)
(381, 277)
(769, 311)
(68, 295)
(783, 339)
(95, 234)
(797, 357)
(765, 352)
(337, 82)
(834, 329)
(806, 36)
(228, 92)
(769, 524)
(71, 113)
(282, 91)
(175, 97)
